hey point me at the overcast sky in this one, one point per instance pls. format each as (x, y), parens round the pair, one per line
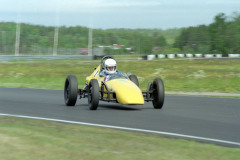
(162, 14)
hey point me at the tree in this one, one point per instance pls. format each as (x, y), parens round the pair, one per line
(218, 33)
(160, 41)
(222, 36)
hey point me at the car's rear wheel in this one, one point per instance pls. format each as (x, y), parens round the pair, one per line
(134, 79)
(93, 94)
(70, 90)
(158, 94)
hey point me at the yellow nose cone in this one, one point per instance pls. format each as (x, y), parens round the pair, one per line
(126, 91)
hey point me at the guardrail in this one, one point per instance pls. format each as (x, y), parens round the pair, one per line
(189, 55)
(43, 57)
(6, 58)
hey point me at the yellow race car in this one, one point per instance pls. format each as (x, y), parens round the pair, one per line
(119, 88)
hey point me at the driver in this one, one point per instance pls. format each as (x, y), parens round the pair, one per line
(110, 68)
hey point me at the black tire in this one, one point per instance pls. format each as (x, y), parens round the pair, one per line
(93, 94)
(70, 90)
(134, 79)
(158, 93)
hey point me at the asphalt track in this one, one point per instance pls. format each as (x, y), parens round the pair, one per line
(208, 117)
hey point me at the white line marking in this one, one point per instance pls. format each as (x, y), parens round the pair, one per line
(126, 128)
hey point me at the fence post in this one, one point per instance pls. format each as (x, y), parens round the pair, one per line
(17, 44)
(55, 45)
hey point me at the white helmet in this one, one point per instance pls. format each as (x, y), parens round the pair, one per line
(110, 66)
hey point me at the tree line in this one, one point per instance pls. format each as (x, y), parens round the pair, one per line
(222, 36)
(37, 37)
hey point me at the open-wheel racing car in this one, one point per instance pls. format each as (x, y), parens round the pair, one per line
(119, 88)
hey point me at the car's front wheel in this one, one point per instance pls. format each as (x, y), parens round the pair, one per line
(70, 90)
(93, 94)
(158, 93)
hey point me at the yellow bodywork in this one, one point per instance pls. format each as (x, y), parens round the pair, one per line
(95, 75)
(126, 91)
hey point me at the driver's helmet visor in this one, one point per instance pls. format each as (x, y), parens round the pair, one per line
(111, 68)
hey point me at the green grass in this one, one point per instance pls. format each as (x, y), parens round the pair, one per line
(220, 75)
(38, 139)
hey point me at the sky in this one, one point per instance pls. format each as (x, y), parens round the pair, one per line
(105, 14)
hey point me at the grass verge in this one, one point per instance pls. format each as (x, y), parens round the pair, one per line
(38, 139)
(218, 75)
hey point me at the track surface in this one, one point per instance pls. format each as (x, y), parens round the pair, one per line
(217, 118)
